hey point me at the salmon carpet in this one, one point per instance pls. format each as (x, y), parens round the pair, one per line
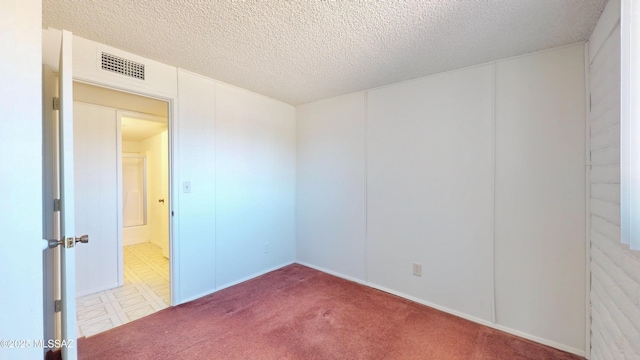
(300, 313)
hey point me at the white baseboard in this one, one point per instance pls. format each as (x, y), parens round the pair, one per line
(490, 324)
(330, 272)
(254, 276)
(209, 292)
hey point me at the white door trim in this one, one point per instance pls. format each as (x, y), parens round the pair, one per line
(172, 128)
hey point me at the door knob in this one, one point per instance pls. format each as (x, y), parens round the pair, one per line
(161, 201)
(70, 241)
(53, 243)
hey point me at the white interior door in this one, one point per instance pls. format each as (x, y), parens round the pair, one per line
(67, 213)
(50, 193)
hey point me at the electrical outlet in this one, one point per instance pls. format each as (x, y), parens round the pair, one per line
(417, 269)
(266, 248)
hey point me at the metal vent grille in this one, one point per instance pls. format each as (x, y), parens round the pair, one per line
(122, 66)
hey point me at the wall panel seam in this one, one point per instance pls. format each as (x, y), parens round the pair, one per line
(493, 192)
(587, 213)
(366, 186)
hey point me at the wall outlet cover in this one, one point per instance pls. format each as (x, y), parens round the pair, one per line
(417, 269)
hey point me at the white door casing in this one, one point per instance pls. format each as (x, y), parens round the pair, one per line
(159, 190)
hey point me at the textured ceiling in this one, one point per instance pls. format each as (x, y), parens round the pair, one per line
(300, 51)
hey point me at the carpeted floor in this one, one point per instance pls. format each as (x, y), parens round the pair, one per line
(300, 313)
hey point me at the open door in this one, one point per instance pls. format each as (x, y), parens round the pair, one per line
(50, 206)
(61, 171)
(67, 213)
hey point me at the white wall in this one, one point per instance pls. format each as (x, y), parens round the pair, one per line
(255, 184)
(237, 150)
(21, 176)
(540, 184)
(131, 147)
(615, 286)
(196, 211)
(446, 157)
(331, 184)
(429, 200)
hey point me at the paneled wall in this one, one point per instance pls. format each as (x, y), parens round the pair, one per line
(255, 184)
(237, 152)
(615, 281)
(196, 164)
(477, 175)
(429, 192)
(540, 236)
(331, 185)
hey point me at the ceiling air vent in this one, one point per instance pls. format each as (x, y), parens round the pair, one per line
(122, 66)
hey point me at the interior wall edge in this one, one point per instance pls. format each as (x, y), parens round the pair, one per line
(587, 214)
(493, 194)
(537, 253)
(366, 185)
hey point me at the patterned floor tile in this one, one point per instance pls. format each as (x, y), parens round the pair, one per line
(145, 291)
(98, 325)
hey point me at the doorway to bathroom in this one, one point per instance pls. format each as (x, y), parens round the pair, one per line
(122, 168)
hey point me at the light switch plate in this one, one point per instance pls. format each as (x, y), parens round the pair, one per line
(186, 187)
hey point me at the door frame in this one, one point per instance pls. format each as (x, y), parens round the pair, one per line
(161, 88)
(172, 134)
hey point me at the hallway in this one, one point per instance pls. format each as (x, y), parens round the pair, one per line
(145, 291)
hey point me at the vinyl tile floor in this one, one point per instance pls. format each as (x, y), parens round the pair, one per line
(145, 291)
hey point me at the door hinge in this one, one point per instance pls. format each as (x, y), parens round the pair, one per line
(56, 103)
(57, 205)
(57, 305)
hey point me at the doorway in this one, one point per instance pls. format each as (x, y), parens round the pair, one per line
(121, 178)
